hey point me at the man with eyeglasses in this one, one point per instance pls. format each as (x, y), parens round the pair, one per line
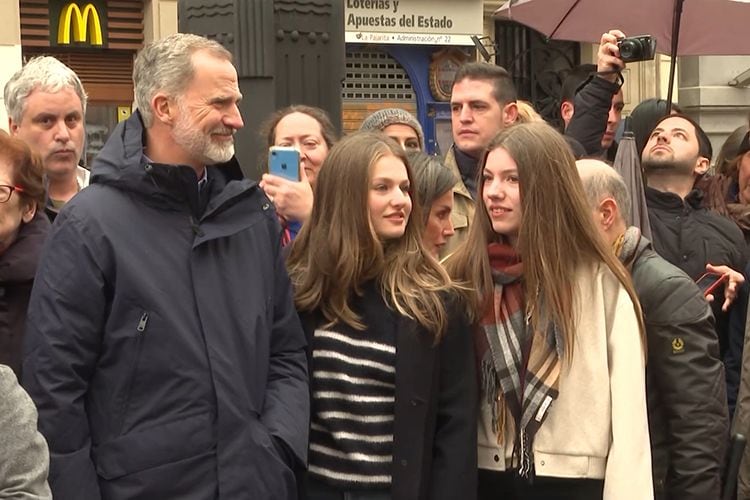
(46, 106)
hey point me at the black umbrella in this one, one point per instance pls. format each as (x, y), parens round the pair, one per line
(628, 165)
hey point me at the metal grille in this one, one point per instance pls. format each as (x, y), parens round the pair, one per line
(538, 65)
(375, 76)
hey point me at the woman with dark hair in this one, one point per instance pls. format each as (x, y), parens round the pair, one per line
(393, 386)
(23, 228)
(433, 191)
(309, 130)
(560, 333)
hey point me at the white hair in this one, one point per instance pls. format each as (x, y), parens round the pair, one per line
(41, 73)
(166, 66)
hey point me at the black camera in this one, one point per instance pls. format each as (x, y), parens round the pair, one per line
(637, 48)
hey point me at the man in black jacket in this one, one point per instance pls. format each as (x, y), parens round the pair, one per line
(164, 352)
(592, 113)
(692, 238)
(685, 378)
(603, 87)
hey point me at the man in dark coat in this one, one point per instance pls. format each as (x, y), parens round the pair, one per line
(685, 385)
(691, 237)
(591, 107)
(600, 101)
(163, 351)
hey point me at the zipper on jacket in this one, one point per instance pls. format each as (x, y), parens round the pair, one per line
(133, 367)
(142, 323)
(195, 227)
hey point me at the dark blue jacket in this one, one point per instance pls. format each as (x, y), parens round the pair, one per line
(163, 349)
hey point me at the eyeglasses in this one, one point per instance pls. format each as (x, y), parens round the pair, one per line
(6, 191)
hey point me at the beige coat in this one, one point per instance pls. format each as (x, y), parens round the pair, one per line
(463, 208)
(24, 458)
(598, 426)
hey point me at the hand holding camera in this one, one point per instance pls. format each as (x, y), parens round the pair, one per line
(615, 49)
(608, 62)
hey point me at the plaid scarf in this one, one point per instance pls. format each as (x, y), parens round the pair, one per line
(519, 367)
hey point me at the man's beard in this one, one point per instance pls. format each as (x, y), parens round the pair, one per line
(199, 144)
(669, 164)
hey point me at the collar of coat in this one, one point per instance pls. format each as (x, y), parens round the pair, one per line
(121, 164)
(671, 201)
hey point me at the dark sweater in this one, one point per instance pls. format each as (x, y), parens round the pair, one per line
(353, 385)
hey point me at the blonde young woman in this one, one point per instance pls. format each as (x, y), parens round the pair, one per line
(392, 373)
(559, 336)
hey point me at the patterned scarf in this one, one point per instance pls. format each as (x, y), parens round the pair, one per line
(519, 367)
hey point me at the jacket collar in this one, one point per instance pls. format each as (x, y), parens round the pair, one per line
(451, 162)
(122, 165)
(671, 201)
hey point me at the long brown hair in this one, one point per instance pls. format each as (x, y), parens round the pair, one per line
(337, 250)
(556, 236)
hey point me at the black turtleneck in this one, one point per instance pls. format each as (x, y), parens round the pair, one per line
(467, 166)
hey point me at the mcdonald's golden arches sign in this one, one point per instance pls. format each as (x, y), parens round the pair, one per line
(81, 23)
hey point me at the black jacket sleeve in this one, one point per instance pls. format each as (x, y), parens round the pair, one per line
(287, 407)
(589, 120)
(686, 373)
(454, 470)
(64, 327)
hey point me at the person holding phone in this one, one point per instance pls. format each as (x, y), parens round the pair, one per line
(394, 391)
(559, 333)
(308, 130)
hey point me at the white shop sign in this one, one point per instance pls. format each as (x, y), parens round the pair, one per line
(432, 22)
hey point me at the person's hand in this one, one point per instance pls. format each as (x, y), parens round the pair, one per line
(730, 289)
(293, 200)
(608, 57)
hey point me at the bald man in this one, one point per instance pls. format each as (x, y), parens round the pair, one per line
(687, 406)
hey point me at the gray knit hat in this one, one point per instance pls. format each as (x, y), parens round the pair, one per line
(379, 120)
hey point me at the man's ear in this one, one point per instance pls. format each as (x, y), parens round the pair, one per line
(12, 127)
(608, 213)
(163, 108)
(566, 112)
(510, 114)
(701, 166)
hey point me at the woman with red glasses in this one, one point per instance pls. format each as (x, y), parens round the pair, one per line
(23, 227)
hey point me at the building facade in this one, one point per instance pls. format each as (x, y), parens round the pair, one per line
(98, 39)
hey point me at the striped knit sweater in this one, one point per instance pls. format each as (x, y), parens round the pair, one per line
(353, 383)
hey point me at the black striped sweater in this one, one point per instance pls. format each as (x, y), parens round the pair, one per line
(353, 389)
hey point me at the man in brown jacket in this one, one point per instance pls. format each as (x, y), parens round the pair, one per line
(483, 102)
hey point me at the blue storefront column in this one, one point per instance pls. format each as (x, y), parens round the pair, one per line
(416, 59)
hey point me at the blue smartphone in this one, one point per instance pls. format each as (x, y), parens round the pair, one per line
(284, 162)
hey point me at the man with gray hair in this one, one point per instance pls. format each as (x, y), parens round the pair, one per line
(46, 107)
(169, 361)
(685, 386)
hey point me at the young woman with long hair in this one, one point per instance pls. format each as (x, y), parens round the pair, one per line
(559, 337)
(393, 381)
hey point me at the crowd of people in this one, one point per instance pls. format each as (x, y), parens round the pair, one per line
(390, 325)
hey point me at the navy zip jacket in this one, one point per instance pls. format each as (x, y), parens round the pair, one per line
(163, 350)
